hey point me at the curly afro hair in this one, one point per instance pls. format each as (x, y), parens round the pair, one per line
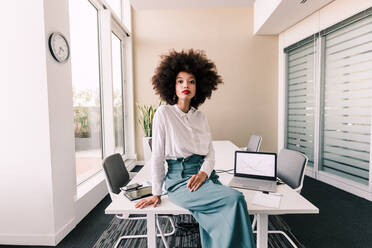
(192, 61)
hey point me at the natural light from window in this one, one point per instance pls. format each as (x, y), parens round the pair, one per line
(117, 81)
(86, 88)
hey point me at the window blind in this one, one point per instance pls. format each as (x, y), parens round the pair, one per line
(347, 89)
(300, 98)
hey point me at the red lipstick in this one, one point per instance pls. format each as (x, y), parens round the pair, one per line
(186, 92)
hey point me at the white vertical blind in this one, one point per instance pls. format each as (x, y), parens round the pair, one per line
(301, 100)
(347, 102)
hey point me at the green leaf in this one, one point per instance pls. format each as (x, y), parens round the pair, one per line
(146, 117)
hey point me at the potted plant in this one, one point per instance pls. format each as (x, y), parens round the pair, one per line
(145, 119)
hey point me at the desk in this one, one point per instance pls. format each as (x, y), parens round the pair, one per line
(291, 202)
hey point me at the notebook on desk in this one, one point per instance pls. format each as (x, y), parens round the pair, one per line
(139, 193)
(254, 170)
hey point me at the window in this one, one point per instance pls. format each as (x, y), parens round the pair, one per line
(86, 88)
(100, 48)
(117, 81)
(300, 98)
(116, 7)
(339, 111)
(347, 100)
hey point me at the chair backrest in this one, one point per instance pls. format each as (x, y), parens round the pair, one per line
(291, 168)
(254, 143)
(117, 175)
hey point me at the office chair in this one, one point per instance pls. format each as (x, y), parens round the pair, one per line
(291, 170)
(117, 176)
(254, 143)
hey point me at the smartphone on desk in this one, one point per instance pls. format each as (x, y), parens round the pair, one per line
(131, 187)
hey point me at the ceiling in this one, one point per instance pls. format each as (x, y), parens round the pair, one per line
(181, 4)
(288, 13)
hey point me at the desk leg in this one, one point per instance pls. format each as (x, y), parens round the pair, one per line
(262, 227)
(151, 231)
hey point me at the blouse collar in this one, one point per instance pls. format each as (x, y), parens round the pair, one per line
(183, 114)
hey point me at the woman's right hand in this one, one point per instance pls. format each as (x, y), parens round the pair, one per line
(153, 200)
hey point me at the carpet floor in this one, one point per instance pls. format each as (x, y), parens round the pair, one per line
(183, 237)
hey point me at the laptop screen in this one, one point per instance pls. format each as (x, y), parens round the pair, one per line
(255, 164)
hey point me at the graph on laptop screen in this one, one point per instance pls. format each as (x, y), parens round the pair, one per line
(255, 164)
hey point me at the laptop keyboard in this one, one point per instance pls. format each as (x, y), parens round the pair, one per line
(255, 184)
(245, 181)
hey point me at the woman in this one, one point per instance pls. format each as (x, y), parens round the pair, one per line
(181, 136)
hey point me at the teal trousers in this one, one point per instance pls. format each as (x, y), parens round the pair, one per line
(220, 211)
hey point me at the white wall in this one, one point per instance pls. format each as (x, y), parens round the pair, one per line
(246, 103)
(39, 201)
(25, 183)
(60, 121)
(325, 17)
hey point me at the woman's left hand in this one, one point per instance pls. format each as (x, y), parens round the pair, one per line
(196, 181)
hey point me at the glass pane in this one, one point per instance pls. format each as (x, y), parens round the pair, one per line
(300, 101)
(86, 88)
(117, 81)
(347, 106)
(116, 6)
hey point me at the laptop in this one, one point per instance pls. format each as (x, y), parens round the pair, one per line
(254, 170)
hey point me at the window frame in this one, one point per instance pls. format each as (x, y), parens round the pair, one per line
(121, 35)
(100, 87)
(107, 19)
(344, 183)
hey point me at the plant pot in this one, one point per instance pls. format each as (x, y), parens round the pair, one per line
(147, 148)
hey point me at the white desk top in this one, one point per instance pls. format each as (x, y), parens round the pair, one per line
(291, 202)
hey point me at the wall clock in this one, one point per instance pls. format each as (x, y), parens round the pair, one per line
(59, 48)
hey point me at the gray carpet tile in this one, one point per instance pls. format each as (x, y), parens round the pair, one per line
(182, 238)
(185, 235)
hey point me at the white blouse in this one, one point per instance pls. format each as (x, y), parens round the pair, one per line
(176, 134)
